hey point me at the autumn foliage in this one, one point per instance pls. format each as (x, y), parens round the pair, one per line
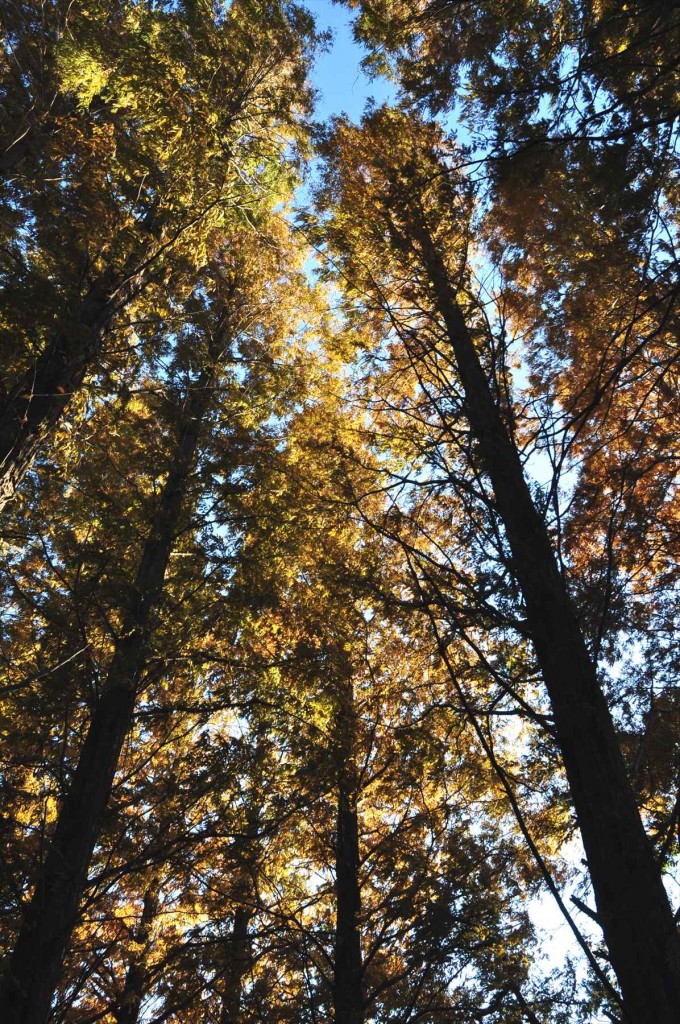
(339, 536)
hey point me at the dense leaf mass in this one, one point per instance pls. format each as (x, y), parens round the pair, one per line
(339, 546)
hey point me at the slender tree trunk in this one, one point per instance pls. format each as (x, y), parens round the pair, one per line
(34, 970)
(348, 974)
(238, 961)
(30, 412)
(127, 1011)
(632, 903)
(16, 152)
(526, 1009)
(247, 851)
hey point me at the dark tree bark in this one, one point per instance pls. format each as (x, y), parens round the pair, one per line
(15, 153)
(526, 1009)
(632, 904)
(348, 973)
(247, 852)
(35, 967)
(127, 1011)
(32, 409)
(238, 962)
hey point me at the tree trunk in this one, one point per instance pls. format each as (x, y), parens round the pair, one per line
(32, 409)
(348, 974)
(238, 962)
(16, 152)
(632, 903)
(34, 970)
(127, 1011)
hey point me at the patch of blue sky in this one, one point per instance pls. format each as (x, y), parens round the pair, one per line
(342, 87)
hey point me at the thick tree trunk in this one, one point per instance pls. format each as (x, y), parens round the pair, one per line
(127, 1011)
(30, 412)
(348, 974)
(238, 961)
(35, 967)
(632, 903)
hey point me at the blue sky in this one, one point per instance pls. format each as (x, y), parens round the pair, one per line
(343, 88)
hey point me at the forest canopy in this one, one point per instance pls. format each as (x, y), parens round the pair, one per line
(339, 522)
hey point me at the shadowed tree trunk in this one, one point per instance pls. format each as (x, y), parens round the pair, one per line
(238, 962)
(247, 851)
(15, 153)
(632, 903)
(34, 970)
(30, 412)
(348, 973)
(127, 1011)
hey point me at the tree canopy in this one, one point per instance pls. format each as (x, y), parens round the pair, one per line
(339, 523)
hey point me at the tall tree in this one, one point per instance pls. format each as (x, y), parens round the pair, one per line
(397, 222)
(36, 963)
(220, 317)
(388, 900)
(140, 175)
(568, 114)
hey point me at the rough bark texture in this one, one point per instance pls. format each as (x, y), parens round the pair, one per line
(632, 903)
(35, 967)
(35, 405)
(348, 974)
